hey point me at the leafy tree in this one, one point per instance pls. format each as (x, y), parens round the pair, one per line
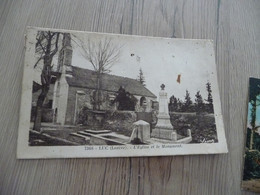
(140, 77)
(173, 105)
(179, 105)
(199, 102)
(46, 47)
(254, 100)
(256, 141)
(252, 167)
(125, 100)
(209, 100)
(187, 102)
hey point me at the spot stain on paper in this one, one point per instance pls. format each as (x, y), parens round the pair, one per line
(179, 79)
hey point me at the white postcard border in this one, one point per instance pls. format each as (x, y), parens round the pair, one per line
(24, 151)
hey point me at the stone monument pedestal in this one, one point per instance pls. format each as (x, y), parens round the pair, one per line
(164, 128)
(141, 132)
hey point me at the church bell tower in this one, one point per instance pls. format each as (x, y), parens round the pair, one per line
(65, 56)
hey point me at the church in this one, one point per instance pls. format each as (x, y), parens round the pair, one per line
(73, 87)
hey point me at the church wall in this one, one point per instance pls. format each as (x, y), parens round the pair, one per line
(55, 95)
(81, 97)
(76, 101)
(149, 100)
(62, 100)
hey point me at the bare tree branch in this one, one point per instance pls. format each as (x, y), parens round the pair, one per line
(39, 42)
(102, 55)
(40, 58)
(56, 44)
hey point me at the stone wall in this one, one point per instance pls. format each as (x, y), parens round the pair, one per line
(120, 121)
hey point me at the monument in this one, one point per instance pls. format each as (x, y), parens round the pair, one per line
(164, 128)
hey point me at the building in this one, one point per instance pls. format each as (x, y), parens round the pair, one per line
(74, 87)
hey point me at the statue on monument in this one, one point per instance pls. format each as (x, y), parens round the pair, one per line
(162, 86)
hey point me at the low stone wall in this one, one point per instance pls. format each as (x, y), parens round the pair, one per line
(120, 121)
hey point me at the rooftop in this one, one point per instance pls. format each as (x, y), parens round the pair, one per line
(86, 78)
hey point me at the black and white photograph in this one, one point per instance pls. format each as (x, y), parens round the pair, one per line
(108, 95)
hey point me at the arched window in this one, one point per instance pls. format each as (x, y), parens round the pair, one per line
(142, 101)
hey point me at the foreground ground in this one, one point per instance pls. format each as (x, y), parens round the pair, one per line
(203, 130)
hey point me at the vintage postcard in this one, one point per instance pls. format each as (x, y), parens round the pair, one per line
(88, 94)
(251, 173)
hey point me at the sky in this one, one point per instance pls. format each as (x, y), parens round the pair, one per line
(161, 60)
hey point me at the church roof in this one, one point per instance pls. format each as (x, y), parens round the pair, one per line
(87, 79)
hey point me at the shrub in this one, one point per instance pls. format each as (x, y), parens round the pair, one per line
(252, 165)
(202, 126)
(120, 121)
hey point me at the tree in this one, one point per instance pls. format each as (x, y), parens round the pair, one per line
(187, 102)
(140, 77)
(102, 55)
(254, 101)
(179, 105)
(173, 105)
(199, 102)
(209, 100)
(125, 100)
(46, 47)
